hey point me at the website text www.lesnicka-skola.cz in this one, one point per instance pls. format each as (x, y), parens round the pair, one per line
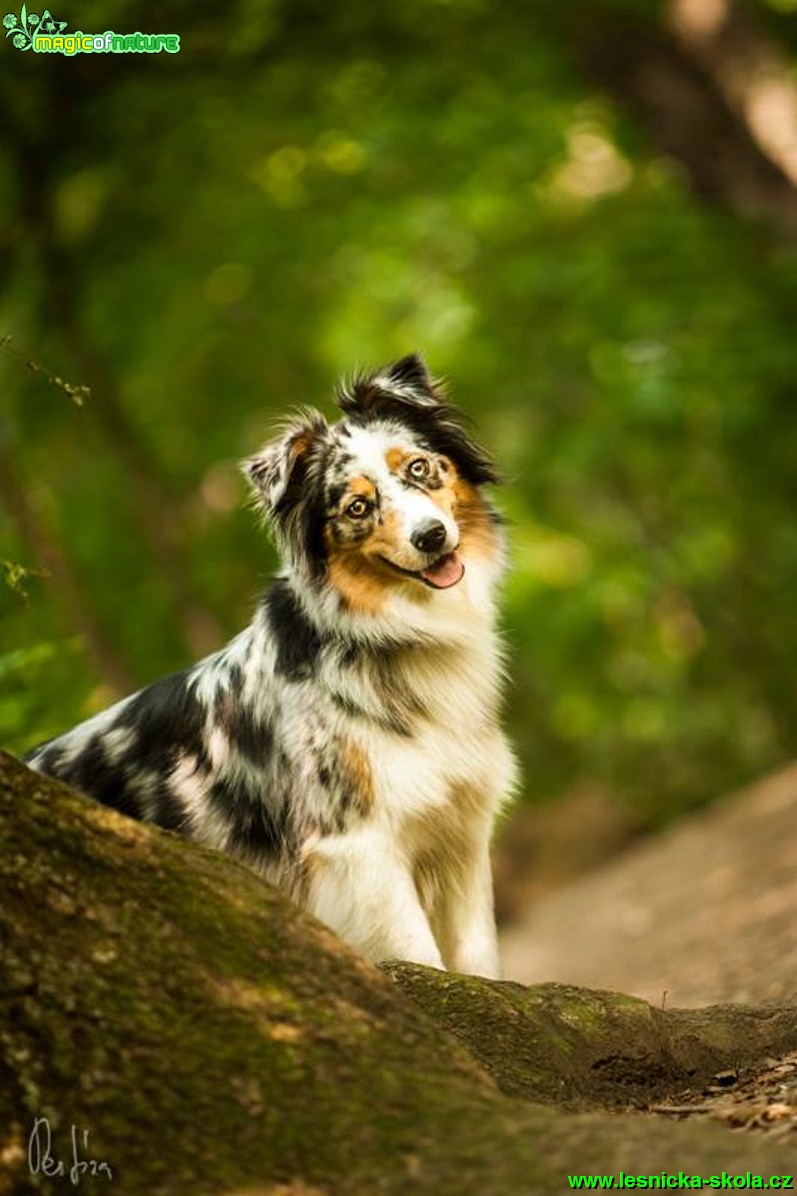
(672, 1180)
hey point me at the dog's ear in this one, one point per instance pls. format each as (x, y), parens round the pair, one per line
(406, 380)
(411, 372)
(407, 392)
(278, 472)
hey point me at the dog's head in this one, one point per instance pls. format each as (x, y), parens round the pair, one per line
(388, 497)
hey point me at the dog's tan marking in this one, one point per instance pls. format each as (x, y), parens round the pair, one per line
(479, 535)
(444, 495)
(395, 458)
(358, 487)
(300, 444)
(354, 763)
(362, 584)
(358, 571)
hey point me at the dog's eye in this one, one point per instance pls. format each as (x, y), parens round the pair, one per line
(358, 508)
(418, 469)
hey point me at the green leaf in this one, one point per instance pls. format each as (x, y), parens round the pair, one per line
(24, 18)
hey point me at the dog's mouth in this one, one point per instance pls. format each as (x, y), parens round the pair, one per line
(442, 574)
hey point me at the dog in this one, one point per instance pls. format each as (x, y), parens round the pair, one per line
(346, 745)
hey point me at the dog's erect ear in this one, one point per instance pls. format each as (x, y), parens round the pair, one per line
(411, 372)
(407, 380)
(278, 472)
(406, 392)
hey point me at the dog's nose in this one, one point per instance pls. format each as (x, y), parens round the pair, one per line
(429, 535)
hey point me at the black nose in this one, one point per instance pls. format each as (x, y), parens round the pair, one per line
(429, 535)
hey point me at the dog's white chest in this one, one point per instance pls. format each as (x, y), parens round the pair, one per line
(456, 748)
(426, 784)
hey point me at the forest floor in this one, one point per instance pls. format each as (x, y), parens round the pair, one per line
(763, 1100)
(704, 913)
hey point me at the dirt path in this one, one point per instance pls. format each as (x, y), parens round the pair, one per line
(705, 913)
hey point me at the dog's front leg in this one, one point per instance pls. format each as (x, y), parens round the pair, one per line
(467, 920)
(363, 891)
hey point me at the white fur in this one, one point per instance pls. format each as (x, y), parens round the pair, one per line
(415, 883)
(96, 725)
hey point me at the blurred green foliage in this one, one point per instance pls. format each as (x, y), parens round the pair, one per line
(210, 238)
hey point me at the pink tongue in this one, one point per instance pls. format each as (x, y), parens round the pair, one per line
(445, 572)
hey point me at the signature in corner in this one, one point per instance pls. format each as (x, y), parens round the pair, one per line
(43, 1161)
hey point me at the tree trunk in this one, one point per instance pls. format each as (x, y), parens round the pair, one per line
(210, 1037)
(679, 87)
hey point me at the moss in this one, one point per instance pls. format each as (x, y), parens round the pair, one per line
(213, 1038)
(585, 1049)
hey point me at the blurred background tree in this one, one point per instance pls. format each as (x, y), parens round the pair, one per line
(583, 214)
